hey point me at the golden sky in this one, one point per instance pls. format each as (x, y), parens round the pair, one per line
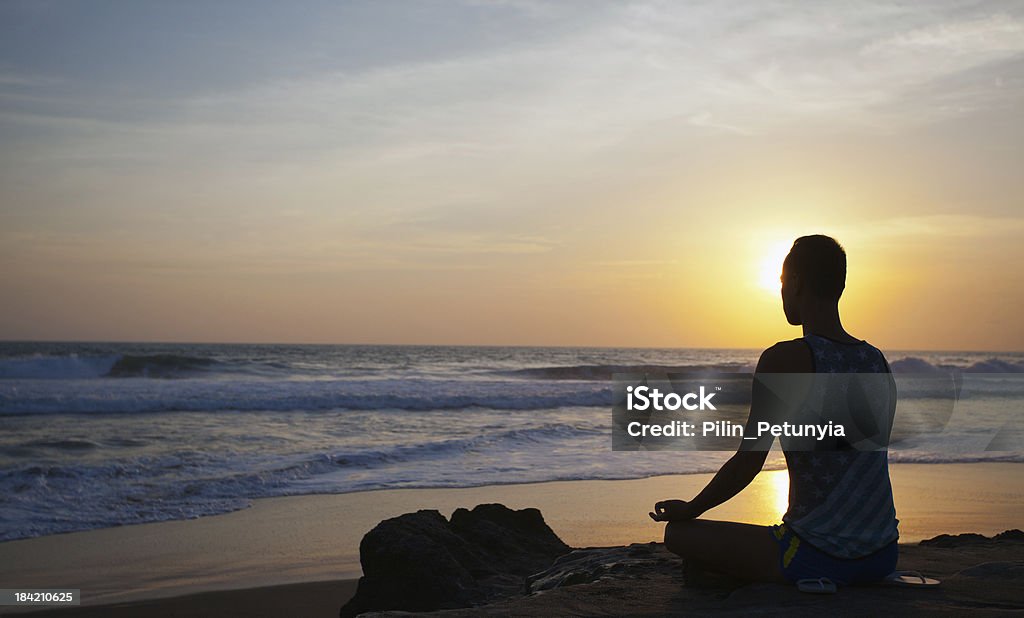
(624, 174)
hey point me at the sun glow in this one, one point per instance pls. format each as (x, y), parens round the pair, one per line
(770, 267)
(780, 491)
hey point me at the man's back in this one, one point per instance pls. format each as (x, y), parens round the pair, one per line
(840, 497)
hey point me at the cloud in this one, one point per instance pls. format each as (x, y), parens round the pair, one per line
(953, 226)
(625, 70)
(993, 231)
(9, 80)
(457, 137)
(975, 40)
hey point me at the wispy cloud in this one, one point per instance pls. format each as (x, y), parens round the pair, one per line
(973, 40)
(749, 69)
(951, 226)
(15, 80)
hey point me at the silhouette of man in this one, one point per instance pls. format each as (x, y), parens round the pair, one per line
(841, 522)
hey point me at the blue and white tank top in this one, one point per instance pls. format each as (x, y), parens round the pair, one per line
(840, 497)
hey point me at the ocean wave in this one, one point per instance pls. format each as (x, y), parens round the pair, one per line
(939, 457)
(913, 364)
(179, 365)
(33, 397)
(66, 367)
(30, 397)
(192, 483)
(46, 498)
(63, 445)
(158, 366)
(605, 372)
(908, 364)
(243, 422)
(75, 367)
(508, 439)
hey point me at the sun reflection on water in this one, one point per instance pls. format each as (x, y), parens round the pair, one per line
(779, 492)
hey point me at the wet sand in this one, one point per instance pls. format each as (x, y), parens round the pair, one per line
(285, 551)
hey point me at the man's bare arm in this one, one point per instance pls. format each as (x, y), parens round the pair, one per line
(731, 478)
(742, 467)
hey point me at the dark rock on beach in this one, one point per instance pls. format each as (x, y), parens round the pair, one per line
(964, 540)
(422, 562)
(981, 576)
(585, 566)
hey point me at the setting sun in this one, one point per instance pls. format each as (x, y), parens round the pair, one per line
(770, 267)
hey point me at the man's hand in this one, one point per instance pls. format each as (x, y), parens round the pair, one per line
(673, 510)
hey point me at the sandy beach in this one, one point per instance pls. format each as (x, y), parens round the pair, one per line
(282, 552)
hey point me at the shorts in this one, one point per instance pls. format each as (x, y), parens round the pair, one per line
(799, 559)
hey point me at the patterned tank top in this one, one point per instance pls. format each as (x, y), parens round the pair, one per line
(840, 497)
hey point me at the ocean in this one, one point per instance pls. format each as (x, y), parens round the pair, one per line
(108, 434)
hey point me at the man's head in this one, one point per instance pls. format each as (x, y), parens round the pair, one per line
(814, 271)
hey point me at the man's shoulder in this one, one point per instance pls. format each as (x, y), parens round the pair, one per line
(793, 356)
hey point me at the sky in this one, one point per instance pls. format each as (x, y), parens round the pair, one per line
(508, 172)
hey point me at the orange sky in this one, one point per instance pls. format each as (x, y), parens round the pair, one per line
(511, 174)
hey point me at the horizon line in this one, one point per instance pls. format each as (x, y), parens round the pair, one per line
(461, 345)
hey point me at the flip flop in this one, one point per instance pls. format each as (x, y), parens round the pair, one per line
(911, 579)
(820, 585)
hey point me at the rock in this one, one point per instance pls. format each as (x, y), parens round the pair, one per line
(963, 540)
(422, 562)
(519, 542)
(416, 561)
(981, 579)
(583, 566)
(955, 540)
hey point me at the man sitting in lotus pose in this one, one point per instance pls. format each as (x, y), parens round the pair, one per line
(841, 522)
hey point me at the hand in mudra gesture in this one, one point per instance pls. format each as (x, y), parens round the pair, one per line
(673, 510)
